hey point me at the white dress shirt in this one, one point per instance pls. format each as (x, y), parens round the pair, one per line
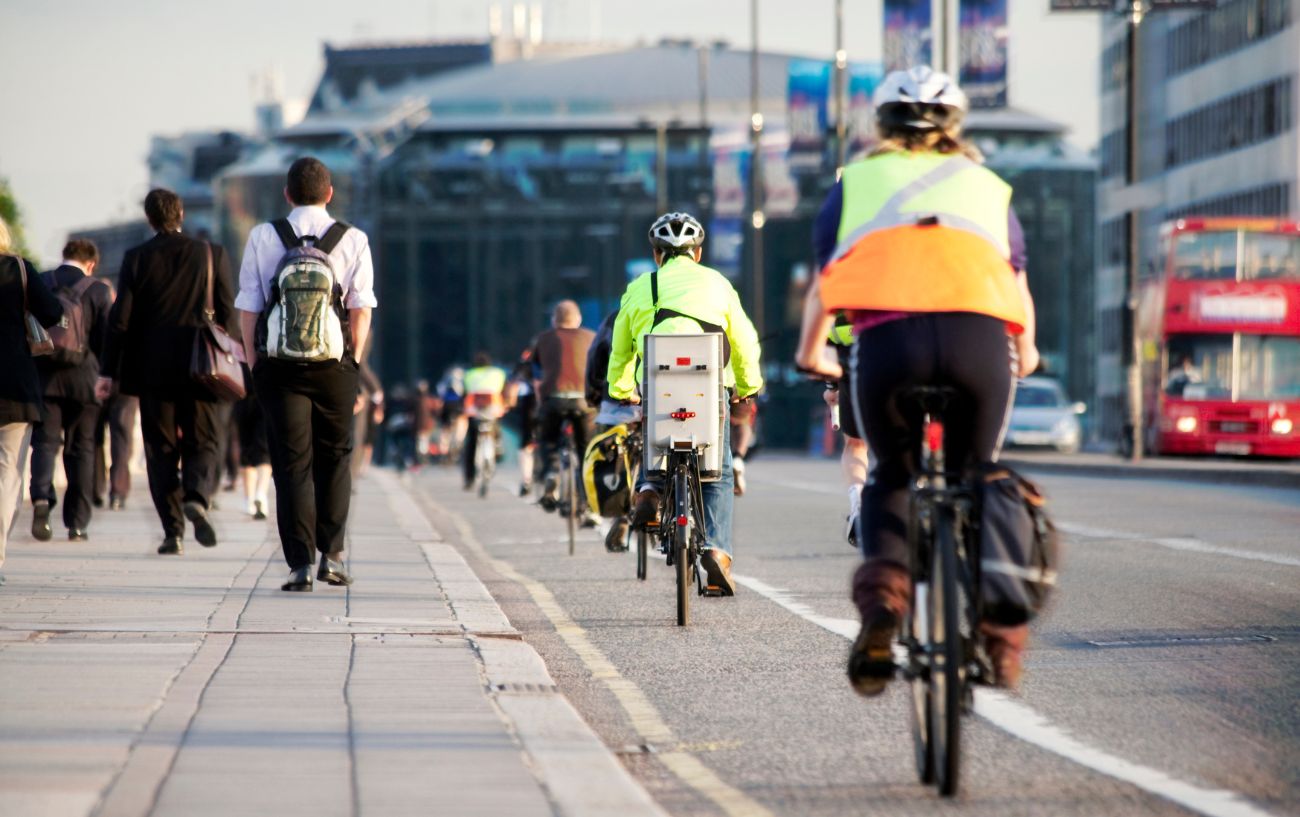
(351, 259)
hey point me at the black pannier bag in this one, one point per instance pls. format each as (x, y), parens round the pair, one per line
(1020, 550)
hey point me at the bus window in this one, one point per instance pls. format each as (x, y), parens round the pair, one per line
(1270, 367)
(1206, 256)
(1270, 256)
(1200, 367)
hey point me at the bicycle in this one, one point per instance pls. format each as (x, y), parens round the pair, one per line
(942, 659)
(568, 499)
(485, 454)
(680, 529)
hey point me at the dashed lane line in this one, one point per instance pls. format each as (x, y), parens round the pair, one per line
(1180, 543)
(1021, 721)
(643, 716)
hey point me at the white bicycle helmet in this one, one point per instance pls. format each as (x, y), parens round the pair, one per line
(919, 98)
(673, 232)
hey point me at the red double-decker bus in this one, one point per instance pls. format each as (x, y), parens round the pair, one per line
(1220, 332)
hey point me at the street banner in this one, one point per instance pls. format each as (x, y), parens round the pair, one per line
(1084, 5)
(863, 79)
(807, 95)
(726, 245)
(982, 48)
(780, 190)
(908, 33)
(730, 152)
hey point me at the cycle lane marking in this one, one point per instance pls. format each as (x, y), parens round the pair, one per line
(643, 716)
(1023, 722)
(1184, 544)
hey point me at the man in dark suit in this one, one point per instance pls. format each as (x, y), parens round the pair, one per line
(71, 409)
(151, 333)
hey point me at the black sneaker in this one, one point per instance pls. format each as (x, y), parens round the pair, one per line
(871, 659)
(171, 546)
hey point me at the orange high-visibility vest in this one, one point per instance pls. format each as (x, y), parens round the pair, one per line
(923, 232)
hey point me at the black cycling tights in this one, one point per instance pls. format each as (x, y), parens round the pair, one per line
(971, 353)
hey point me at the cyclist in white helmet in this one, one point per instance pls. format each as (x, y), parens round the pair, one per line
(919, 247)
(684, 296)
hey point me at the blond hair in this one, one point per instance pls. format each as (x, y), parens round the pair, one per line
(6, 240)
(910, 140)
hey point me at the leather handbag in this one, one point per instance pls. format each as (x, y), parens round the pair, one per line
(217, 363)
(38, 340)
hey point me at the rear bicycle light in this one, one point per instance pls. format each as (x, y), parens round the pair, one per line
(682, 415)
(682, 521)
(934, 435)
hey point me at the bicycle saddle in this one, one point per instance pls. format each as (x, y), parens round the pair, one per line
(928, 399)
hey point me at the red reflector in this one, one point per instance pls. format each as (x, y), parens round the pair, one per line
(682, 521)
(682, 415)
(934, 436)
(683, 361)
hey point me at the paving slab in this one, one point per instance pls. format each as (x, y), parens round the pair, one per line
(137, 684)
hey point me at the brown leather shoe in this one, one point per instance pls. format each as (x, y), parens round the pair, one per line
(1006, 646)
(882, 592)
(645, 511)
(717, 572)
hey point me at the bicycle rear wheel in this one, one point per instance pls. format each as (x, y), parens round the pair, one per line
(570, 505)
(682, 545)
(486, 455)
(947, 671)
(917, 635)
(642, 545)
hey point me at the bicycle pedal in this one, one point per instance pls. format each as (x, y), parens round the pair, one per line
(712, 591)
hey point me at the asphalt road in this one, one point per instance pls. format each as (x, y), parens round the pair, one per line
(1164, 680)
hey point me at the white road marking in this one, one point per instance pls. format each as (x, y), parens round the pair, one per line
(1019, 720)
(1185, 544)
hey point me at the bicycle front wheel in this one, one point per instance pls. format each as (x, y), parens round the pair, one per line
(947, 670)
(487, 462)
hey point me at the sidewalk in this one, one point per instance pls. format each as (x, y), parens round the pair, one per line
(1255, 473)
(137, 684)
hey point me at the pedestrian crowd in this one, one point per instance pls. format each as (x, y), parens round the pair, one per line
(257, 377)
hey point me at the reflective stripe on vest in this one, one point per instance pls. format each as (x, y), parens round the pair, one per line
(923, 233)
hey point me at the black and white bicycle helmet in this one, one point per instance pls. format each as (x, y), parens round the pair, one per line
(674, 232)
(919, 98)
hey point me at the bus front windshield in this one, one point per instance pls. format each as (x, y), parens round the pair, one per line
(1220, 256)
(1202, 367)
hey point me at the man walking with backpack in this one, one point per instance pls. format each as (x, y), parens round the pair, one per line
(68, 375)
(306, 288)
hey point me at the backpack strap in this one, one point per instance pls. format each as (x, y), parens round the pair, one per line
(84, 284)
(332, 237)
(288, 237)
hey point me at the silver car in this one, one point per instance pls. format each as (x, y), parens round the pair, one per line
(1043, 416)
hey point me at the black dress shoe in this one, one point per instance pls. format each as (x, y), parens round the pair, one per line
(332, 572)
(98, 502)
(171, 546)
(77, 535)
(203, 530)
(41, 520)
(116, 503)
(299, 580)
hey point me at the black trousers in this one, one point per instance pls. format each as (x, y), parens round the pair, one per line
(309, 428)
(970, 353)
(71, 424)
(180, 449)
(115, 429)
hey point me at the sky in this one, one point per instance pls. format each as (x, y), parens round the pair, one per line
(88, 82)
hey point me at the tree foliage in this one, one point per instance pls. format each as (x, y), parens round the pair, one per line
(13, 216)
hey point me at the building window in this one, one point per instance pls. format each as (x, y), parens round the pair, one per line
(1268, 200)
(1245, 118)
(1114, 241)
(1114, 154)
(1231, 26)
(1114, 65)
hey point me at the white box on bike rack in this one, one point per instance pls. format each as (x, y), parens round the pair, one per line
(683, 376)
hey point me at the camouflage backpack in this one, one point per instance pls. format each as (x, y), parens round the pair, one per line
(304, 320)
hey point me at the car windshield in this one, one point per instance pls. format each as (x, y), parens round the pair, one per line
(1270, 256)
(1206, 256)
(1201, 367)
(1030, 395)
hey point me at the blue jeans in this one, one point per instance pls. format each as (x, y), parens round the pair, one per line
(719, 497)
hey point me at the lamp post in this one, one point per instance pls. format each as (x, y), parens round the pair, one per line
(841, 86)
(756, 217)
